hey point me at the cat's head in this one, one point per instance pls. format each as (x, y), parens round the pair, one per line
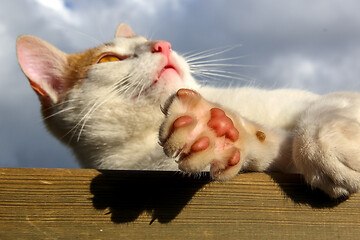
(132, 64)
(113, 89)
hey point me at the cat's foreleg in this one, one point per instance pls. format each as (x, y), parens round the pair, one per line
(200, 133)
(326, 148)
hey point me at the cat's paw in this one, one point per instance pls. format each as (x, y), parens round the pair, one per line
(200, 133)
(330, 162)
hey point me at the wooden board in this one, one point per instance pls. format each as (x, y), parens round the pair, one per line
(88, 204)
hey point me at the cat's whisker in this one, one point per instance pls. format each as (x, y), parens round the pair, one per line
(94, 106)
(59, 104)
(206, 78)
(220, 75)
(128, 88)
(143, 85)
(92, 110)
(195, 53)
(91, 104)
(138, 81)
(123, 85)
(135, 88)
(217, 69)
(210, 52)
(124, 88)
(110, 92)
(209, 79)
(141, 89)
(199, 52)
(81, 33)
(59, 112)
(220, 65)
(215, 60)
(203, 58)
(221, 72)
(74, 129)
(203, 80)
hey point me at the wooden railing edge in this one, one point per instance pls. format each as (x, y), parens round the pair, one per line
(92, 204)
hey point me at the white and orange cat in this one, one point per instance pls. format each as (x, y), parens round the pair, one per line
(108, 104)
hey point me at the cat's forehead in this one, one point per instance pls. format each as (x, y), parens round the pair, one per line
(125, 44)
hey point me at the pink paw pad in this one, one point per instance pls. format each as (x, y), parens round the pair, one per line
(235, 158)
(200, 144)
(222, 125)
(182, 122)
(185, 93)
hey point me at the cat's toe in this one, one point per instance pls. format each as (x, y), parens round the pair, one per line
(222, 124)
(200, 145)
(185, 94)
(332, 187)
(227, 167)
(177, 138)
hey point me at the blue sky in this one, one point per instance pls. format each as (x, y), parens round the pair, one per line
(313, 45)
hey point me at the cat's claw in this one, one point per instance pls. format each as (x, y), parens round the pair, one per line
(201, 134)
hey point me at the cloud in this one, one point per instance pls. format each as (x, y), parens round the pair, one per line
(319, 74)
(312, 45)
(58, 8)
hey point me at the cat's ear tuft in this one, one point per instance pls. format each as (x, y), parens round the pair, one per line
(124, 30)
(44, 66)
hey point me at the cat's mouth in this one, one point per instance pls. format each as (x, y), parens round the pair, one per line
(168, 67)
(167, 72)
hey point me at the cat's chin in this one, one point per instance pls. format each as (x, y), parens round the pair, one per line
(168, 74)
(162, 87)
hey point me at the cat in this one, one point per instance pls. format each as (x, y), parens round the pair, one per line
(133, 103)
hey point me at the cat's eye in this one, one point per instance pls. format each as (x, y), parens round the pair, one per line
(110, 58)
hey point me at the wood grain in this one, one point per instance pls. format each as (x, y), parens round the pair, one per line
(88, 204)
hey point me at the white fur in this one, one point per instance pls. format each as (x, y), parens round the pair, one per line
(317, 136)
(121, 130)
(111, 120)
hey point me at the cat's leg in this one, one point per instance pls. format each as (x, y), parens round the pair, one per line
(201, 133)
(326, 148)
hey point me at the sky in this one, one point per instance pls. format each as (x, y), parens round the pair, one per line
(304, 44)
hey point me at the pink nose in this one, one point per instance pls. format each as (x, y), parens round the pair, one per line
(162, 47)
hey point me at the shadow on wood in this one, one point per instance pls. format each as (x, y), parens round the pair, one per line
(128, 194)
(294, 187)
(58, 204)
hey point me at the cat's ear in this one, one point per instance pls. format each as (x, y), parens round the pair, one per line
(124, 30)
(44, 66)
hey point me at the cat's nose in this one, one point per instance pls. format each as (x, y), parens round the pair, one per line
(163, 47)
